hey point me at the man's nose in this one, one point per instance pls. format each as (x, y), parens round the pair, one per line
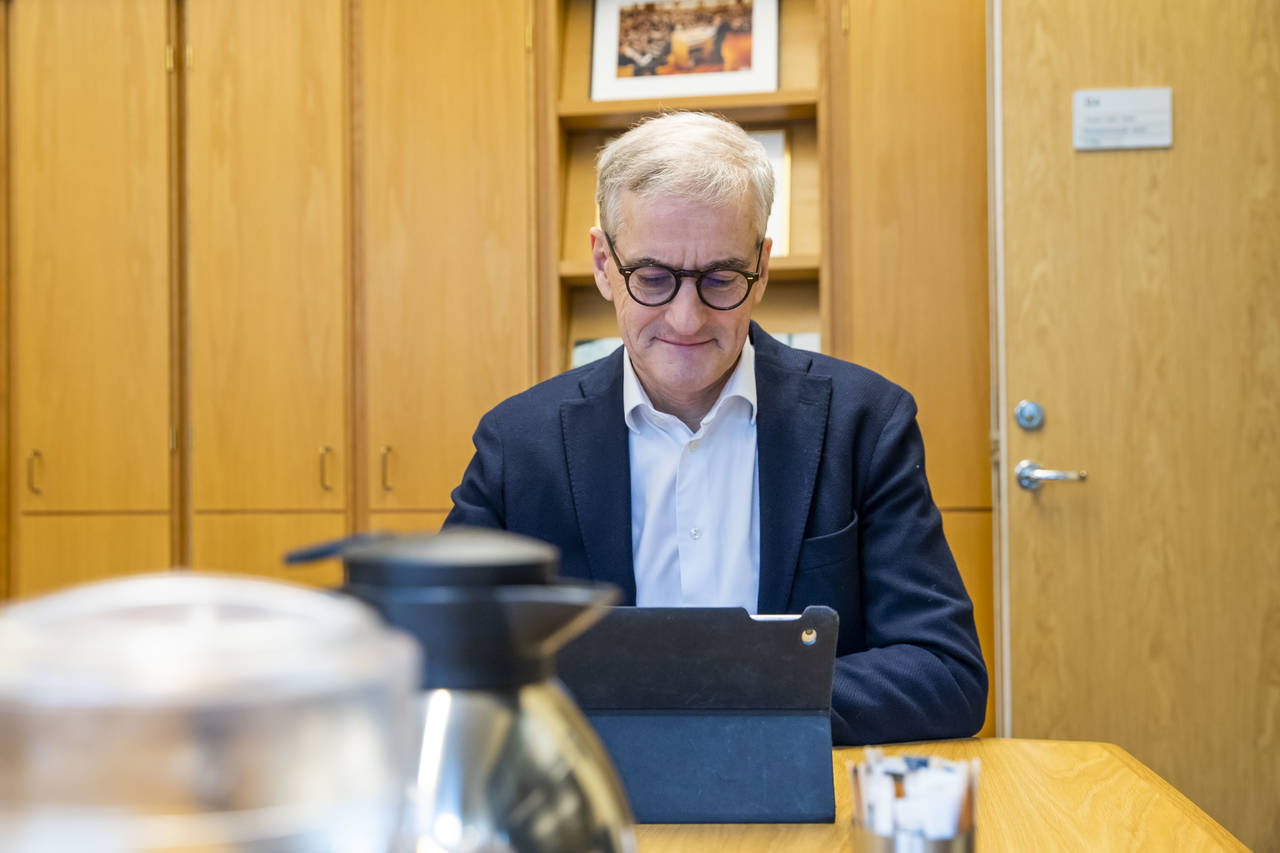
(685, 312)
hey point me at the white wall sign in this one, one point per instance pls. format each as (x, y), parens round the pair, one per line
(1122, 118)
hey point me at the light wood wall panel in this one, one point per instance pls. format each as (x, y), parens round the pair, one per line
(448, 259)
(267, 229)
(255, 543)
(969, 535)
(6, 401)
(909, 290)
(55, 551)
(88, 217)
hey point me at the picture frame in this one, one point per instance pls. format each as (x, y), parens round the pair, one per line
(683, 48)
(776, 145)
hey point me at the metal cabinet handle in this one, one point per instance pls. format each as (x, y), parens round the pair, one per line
(31, 472)
(386, 467)
(1030, 475)
(325, 452)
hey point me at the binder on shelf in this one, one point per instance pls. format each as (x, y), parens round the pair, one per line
(711, 715)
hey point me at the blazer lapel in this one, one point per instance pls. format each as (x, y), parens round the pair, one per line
(791, 425)
(598, 456)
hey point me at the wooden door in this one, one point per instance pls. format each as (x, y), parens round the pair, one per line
(267, 221)
(89, 254)
(447, 270)
(1142, 303)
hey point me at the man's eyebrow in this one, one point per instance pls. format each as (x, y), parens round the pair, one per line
(648, 260)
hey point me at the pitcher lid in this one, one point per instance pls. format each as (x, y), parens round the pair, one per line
(186, 638)
(456, 556)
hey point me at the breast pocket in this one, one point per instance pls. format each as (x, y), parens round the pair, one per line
(822, 551)
(827, 572)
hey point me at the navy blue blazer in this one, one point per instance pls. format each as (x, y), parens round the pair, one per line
(846, 520)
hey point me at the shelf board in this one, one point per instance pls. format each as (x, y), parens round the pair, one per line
(577, 273)
(752, 108)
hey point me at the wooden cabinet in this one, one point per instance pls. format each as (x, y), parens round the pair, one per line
(255, 543)
(59, 550)
(253, 245)
(267, 276)
(89, 264)
(407, 522)
(969, 535)
(447, 292)
(88, 209)
(266, 193)
(908, 167)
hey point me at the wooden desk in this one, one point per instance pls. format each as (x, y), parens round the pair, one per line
(1033, 795)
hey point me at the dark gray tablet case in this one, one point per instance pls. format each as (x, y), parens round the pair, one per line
(711, 716)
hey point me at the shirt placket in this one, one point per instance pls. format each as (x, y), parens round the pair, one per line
(693, 515)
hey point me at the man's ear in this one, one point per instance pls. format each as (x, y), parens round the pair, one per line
(599, 263)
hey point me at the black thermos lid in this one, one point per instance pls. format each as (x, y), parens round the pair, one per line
(454, 557)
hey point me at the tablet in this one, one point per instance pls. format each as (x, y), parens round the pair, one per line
(712, 715)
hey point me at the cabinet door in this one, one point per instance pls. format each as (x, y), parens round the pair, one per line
(55, 551)
(89, 272)
(267, 228)
(910, 296)
(407, 522)
(447, 270)
(255, 543)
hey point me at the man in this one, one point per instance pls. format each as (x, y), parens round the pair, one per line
(704, 463)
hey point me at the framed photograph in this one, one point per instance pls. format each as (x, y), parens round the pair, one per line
(679, 48)
(779, 227)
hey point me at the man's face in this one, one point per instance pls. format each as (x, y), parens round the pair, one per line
(683, 351)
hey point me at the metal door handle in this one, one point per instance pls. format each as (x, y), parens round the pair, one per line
(386, 472)
(1030, 475)
(31, 472)
(324, 468)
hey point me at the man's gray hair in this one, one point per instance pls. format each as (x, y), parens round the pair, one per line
(686, 155)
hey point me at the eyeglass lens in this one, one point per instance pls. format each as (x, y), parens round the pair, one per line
(718, 288)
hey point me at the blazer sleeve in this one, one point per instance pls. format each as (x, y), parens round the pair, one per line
(479, 499)
(922, 674)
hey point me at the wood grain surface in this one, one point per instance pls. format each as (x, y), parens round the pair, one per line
(55, 551)
(6, 463)
(254, 543)
(407, 522)
(449, 299)
(267, 223)
(1143, 312)
(1033, 795)
(909, 289)
(88, 214)
(969, 535)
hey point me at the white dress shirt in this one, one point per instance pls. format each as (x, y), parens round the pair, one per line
(695, 497)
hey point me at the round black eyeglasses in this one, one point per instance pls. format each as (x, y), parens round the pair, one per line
(653, 284)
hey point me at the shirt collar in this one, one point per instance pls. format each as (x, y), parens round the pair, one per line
(741, 384)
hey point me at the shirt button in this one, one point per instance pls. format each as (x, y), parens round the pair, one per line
(695, 533)
(693, 446)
